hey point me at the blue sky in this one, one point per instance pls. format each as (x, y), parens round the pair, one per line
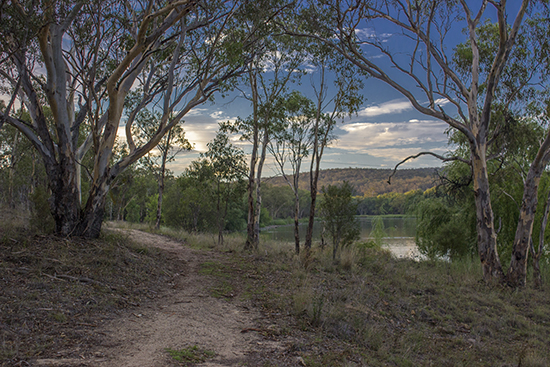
(386, 130)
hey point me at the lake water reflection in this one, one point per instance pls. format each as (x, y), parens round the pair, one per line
(400, 232)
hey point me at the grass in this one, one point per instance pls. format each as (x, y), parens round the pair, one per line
(367, 309)
(190, 355)
(372, 309)
(55, 291)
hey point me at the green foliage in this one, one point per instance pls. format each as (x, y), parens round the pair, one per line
(338, 210)
(445, 230)
(378, 233)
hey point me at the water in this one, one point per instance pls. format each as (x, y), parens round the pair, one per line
(399, 239)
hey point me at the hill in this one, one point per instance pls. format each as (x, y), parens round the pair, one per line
(369, 182)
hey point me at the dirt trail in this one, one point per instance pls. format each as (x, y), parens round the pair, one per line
(186, 315)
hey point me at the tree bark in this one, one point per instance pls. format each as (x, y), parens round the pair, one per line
(161, 180)
(517, 272)
(296, 214)
(258, 208)
(537, 254)
(486, 234)
(251, 243)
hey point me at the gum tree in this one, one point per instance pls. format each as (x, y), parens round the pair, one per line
(423, 71)
(81, 59)
(291, 144)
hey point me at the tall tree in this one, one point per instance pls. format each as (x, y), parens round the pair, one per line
(269, 75)
(346, 100)
(427, 77)
(173, 143)
(291, 143)
(81, 59)
(338, 210)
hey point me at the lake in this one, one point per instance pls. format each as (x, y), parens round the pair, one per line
(399, 239)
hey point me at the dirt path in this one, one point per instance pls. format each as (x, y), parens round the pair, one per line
(185, 316)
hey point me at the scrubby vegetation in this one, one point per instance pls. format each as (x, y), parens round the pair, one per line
(372, 309)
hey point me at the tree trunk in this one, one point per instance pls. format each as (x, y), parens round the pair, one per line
(219, 210)
(517, 273)
(486, 234)
(258, 191)
(537, 254)
(161, 182)
(252, 238)
(92, 215)
(250, 244)
(296, 222)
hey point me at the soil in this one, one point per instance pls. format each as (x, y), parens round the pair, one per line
(184, 315)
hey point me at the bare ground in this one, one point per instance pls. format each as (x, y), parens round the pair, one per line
(184, 315)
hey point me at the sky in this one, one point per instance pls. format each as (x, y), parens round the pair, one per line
(385, 131)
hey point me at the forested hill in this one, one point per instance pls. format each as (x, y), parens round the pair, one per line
(369, 181)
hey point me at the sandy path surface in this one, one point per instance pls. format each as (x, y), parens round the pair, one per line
(184, 317)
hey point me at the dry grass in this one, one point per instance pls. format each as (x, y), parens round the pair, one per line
(367, 309)
(371, 309)
(56, 292)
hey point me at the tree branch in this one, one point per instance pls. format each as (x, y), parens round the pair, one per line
(440, 157)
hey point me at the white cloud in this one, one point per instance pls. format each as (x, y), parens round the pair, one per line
(386, 108)
(363, 33)
(196, 112)
(398, 154)
(364, 137)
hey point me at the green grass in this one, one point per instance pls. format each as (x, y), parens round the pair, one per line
(190, 355)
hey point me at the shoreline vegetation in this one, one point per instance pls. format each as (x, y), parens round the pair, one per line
(366, 309)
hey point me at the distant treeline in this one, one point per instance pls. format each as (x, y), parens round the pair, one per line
(370, 182)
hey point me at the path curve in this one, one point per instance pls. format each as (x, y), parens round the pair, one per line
(187, 315)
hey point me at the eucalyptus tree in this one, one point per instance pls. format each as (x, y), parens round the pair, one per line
(338, 210)
(423, 71)
(173, 143)
(346, 100)
(228, 168)
(81, 59)
(278, 64)
(291, 144)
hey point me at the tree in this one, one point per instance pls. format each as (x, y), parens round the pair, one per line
(173, 55)
(338, 210)
(228, 169)
(173, 143)
(291, 142)
(346, 100)
(433, 79)
(268, 77)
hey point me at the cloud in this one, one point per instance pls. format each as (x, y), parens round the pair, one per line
(386, 108)
(362, 138)
(364, 33)
(398, 154)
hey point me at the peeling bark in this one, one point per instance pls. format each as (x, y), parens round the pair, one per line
(517, 272)
(486, 234)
